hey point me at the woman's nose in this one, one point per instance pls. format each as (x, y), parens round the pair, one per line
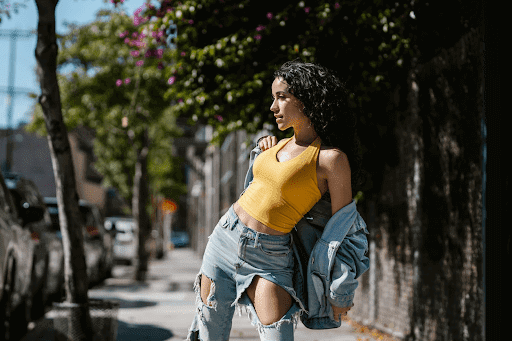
(273, 106)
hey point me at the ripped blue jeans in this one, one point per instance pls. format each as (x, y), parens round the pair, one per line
(233, 256)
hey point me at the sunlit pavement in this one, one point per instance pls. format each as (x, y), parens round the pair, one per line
(163, 307)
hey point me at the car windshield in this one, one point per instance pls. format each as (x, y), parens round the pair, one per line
(54, 214)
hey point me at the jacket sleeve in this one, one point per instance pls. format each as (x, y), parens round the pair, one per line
(350, 263)
(339, 256)
(252, 156)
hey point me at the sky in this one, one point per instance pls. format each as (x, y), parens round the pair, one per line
(71, 11)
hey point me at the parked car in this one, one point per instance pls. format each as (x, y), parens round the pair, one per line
(179, 239)
(48, 265)
(16, 258)
(98, 244)
(125, 242)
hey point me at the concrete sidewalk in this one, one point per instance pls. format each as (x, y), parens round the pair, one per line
(163, 307)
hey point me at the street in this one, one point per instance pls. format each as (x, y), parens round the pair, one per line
(163, 307)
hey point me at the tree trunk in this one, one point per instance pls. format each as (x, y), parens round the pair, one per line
(76, 281)
(139, 203)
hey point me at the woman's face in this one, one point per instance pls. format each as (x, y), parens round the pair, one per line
(286, 107)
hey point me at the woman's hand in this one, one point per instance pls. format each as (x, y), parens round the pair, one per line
(340, 312)
(267, 142)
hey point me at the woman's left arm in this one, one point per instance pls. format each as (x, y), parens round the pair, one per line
(337, 171)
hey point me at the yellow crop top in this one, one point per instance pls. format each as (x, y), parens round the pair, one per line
(282, 192)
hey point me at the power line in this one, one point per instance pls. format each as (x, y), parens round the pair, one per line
(11, 91)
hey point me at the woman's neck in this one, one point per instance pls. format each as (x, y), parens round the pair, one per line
(304, 137)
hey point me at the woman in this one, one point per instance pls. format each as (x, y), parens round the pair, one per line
(249, 260)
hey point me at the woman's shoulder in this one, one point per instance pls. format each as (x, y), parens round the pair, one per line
(329, 153)
(332, 159)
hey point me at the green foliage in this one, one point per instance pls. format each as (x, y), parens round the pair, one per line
(227, 51)
(99, 92)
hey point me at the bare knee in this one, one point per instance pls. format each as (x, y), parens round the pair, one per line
(206, 287)
(270, 301)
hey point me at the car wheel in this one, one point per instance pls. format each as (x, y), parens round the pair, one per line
(19, 320)
(6, 302)
(15, 319)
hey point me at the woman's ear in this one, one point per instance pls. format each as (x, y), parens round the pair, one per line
(299, 104)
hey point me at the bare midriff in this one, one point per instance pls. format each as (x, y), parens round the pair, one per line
(252, 223)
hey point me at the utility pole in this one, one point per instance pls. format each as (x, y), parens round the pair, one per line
(11, 91)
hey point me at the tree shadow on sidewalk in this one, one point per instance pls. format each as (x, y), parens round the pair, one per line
(132, 304)
(137, 332)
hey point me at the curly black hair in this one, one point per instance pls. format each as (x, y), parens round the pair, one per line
(326, 104)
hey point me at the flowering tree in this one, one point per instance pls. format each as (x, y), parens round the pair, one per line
(224, 52)
(227, 51)
(116, 87)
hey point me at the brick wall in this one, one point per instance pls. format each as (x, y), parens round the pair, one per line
(426, 275)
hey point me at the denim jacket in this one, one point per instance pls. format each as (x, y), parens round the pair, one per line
(330, 252)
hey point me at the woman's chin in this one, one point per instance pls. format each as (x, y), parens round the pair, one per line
(281, 127)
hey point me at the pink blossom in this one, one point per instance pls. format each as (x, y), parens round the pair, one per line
(121, 35)
(269, 16)
(257, 37)
(219, 118)
(260, 28)
(337, 5)
(159, 53)
(160, 34)
(137, 11)
(139, 63)
(171, 80)
(135, 53)
(180, 100)
(127, 81)
(153, 34)
(134, 34)
(183, 53)
(160, 66)
(126, 40)
(307, 9)
(191, 21)
(119, 82)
